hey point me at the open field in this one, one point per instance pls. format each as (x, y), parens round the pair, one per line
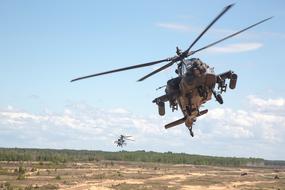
(106, 175)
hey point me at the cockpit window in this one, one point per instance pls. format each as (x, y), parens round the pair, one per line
(187, 66)
(183, 69)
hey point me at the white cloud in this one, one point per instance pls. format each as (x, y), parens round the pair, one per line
(259, 126)
(119, 111)
(175, 26)
(274, 109)
(266, 103)
(76, 123)
(221, 32)
(86, 127)
(236, 48)
(233, 48)
(248, 124)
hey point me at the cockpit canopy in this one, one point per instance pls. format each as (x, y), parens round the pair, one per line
(191, 66)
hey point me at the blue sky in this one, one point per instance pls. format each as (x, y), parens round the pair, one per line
(45, 44)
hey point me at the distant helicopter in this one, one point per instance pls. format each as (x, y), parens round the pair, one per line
(195, 83)
(122, 140)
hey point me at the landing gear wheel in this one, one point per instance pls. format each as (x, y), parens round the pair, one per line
(219, 98)
(191, 133)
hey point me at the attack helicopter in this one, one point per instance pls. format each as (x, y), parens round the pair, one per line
(122, 140)
(196, 81)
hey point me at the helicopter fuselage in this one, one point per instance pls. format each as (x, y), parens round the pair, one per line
(196, 81)
(193, 87)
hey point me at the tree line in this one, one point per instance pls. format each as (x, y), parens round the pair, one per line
(62, 156)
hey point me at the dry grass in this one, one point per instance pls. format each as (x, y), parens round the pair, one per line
(141, 176)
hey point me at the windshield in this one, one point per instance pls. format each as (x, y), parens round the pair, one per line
(182, 68)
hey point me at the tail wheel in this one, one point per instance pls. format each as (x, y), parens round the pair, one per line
(191, 133)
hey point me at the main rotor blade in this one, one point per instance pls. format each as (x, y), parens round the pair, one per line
(187, 51)
(158, 70)
(209, 26)
(125, 68)
(229, 36)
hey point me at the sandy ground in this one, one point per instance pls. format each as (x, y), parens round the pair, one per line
(128, 175)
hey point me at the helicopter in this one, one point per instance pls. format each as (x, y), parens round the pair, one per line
(122, 140)
(196, 81)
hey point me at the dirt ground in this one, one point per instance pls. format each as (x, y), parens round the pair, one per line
(108, 175)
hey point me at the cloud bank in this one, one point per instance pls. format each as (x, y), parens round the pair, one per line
(255, 131)
(175, 26)
(236, 48)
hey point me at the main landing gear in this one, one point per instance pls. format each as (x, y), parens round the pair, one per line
(218, 97)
